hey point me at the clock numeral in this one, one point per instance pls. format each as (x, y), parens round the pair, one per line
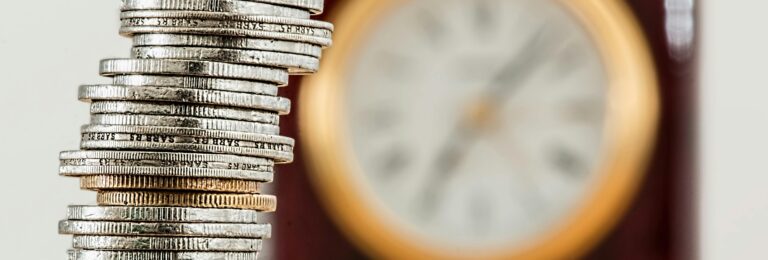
(483, 17)
(378, 120)
(393, 161)
(434, 30)
(587, 111)
(567, 161)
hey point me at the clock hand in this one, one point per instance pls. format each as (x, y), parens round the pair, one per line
(513, 73)
(510, 78)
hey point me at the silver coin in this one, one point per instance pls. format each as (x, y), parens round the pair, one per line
(79, 171)
(107, 228)
(161, 214)
(231, 6)
(304, 27)
(130, 31)
(162, 159)
(189, 40)
(112, 67)
(231, 85)
(293, 62)
(166, 243)
(163, 109)
(185, 122)
(89, 93)
(99, 137)
(109, 133)
(160, 164)
(315, 6)
(76, 254)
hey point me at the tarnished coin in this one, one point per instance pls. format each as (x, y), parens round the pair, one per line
(185, 122)
(259, 202)
(88, 93)
(112, 67)
(123, 182)
(161, 214)
(295, 63)
(219, 20)
(109, 228)
(77, 254)
(99, 137)
(166, 243)
(230, 6)
(162, 164)
(185, 110)
(230, 85)
(191, 40)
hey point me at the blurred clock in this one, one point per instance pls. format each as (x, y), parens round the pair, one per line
(442, 129)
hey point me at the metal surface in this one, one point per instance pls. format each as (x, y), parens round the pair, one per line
(183, 139)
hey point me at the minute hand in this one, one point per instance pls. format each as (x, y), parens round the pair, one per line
(510, 78)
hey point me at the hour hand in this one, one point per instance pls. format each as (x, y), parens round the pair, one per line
(444, 169)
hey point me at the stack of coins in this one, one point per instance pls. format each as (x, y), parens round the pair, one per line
(181, 141)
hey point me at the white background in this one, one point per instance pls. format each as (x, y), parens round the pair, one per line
(49, 47)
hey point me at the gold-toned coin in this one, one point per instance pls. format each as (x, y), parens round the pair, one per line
(266, 203)
(123, 182)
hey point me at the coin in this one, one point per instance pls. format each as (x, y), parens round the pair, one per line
(265, 203)
(231, 6)
(77, 254)
(230, 85)
(192, 140)
(161, 214)
(108, 228)
(185, 122)
(293, 62)
(88, 93)
(226, 42)
(220, 20)
(187, 110)
(123, 182)
(166, 243)
(111, 67)
(163, 159)
(181, 141)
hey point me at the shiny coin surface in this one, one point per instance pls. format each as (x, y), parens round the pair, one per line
(78, 254)
(293, 62)
(220, 20)
(191, 40)
(264, 203)
(226, 32)
(230, 6)
(100, 137)
(230, 85)
(89, 93)
(185, 122)
(162, 164)
(160, 214)
(185, 110)
(137, 182)
(112, 67)
(108, 228)
(166, 243)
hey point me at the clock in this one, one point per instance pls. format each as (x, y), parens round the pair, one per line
(482, 129)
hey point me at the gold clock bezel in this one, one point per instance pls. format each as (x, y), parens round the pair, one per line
(633, 111)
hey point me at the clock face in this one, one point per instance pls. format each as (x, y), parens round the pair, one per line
(477, 123)
(480, 129)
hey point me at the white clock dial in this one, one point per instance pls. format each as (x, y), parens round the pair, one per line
(477, 122)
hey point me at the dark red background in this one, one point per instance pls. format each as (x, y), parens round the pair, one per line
(660, 224)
